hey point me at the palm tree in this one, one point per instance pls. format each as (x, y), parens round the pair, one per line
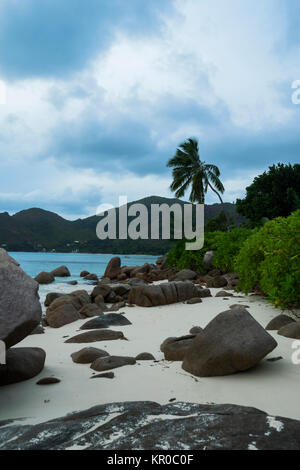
(189, 170)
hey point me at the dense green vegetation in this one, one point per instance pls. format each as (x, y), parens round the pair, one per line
(275, 193)
(266, 258)
(266, 254)
(270, 260)
(225, 244)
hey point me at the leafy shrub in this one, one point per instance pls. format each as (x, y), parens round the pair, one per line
(270, 259)
(228, 245)
(181, 258)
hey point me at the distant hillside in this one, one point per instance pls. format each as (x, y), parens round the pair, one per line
(37, 230)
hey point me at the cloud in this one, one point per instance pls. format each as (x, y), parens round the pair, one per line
(51, 38)
(99, 102)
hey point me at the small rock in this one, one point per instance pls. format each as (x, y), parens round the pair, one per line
(273, 359)
(106, 375)
(292, 330)
(62, 271)
(238, 306)
(21, 364)
(44, 278)
(39, 330)
(104, 321)
(48, 381)
(84, 273)
(278, 322)
(112, 362)
(196, 330)
(88, 355)
(96, 335)
(223, 293)
(145, 356)
(194, 300)
(91, 277)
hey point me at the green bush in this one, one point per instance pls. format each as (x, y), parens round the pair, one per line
(270, 260)
(228, 245)
(181, 258)
(225, 244)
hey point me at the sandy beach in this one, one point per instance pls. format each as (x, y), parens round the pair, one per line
(271, 386)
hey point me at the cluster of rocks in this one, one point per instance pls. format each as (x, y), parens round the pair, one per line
(285, 326)
(147, 273)
(166, 293)
(20, 315)
(112, 295)
(232, 342)
(67, 308)
(146, 426)
(49, 277)
(102, 361)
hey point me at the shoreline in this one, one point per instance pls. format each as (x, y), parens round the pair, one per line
(271, 386)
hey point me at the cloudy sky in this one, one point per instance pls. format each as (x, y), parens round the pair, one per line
(99, 93)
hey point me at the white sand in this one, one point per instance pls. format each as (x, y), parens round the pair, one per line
(272, 386)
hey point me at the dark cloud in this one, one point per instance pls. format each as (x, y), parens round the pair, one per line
(54, 38)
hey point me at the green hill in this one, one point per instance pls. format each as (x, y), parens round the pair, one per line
(36, 230)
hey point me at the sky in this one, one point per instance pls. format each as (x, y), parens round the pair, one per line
(96, 96)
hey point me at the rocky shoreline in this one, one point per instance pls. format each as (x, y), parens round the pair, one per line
(220, 334)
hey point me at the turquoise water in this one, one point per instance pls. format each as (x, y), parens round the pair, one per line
(34, 263)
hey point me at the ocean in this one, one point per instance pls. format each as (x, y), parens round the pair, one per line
(34, 263)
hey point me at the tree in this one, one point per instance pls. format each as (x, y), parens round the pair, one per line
(273, 194)
(217, 223)
(190, 171)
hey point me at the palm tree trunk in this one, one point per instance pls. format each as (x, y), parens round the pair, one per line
(222, 203)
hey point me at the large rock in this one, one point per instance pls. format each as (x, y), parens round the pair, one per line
(20, 308)
(91, 277)
(96, 335)
(151, 426)
(112, 362)
(50, 297)
(90, 310)
(233, 341)
(175, 349)
(88, 355)
(21, 364)
(184, 275)
(163, 294)
(62, 315)
(144, 269)
(113, 269)
(104, 321)
(44, 278)
(278, 322)
(81, 297)
(78, 299)
(292, 330)
(121, 289)
(62, 271)
(101, 289)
